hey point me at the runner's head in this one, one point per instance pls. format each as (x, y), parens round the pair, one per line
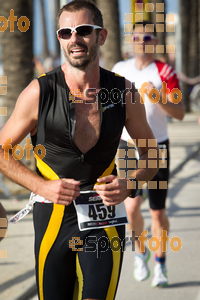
(81, 33)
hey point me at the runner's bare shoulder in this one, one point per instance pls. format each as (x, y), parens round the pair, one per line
(24, 117)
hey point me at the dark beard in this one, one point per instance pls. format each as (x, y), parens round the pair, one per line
(82, 63)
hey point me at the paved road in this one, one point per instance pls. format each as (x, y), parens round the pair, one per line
(184, 266)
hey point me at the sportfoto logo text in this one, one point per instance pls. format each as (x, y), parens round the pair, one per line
(23, 22)
(92, 244)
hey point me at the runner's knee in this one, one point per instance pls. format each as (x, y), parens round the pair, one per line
(159, 215)
(133, 206)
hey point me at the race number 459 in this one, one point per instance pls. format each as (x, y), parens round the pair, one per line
(101, 212)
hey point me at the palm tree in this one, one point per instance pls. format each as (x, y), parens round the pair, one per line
(193, 48)
(185, 31)
(57, 8)
(45, 42)
(111, 51)
(17, 51)
(199, 31)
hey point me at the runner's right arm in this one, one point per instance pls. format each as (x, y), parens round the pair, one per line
(23, 121)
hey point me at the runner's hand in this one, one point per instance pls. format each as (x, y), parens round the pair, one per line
(114, 192)
(62, 191)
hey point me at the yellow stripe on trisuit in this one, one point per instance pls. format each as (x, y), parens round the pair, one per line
(52, 228)
(42, 75)
(108, 171)
(118, 75)
(78, 290)
(111, 233)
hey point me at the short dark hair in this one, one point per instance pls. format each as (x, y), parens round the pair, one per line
(77, 5)
(144, 23)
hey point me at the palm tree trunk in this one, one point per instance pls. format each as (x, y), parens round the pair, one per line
(45, 41)
(185, 21)
(193, 70)
(199, 31)
(17, 51)
(111, 51)
(57, 8)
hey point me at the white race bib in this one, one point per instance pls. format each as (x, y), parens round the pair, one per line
(93, 214)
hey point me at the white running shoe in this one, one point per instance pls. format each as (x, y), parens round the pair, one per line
(160, 276)
(141, 270)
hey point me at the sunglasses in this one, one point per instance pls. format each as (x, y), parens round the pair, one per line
(82, 30)
(146, 38)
